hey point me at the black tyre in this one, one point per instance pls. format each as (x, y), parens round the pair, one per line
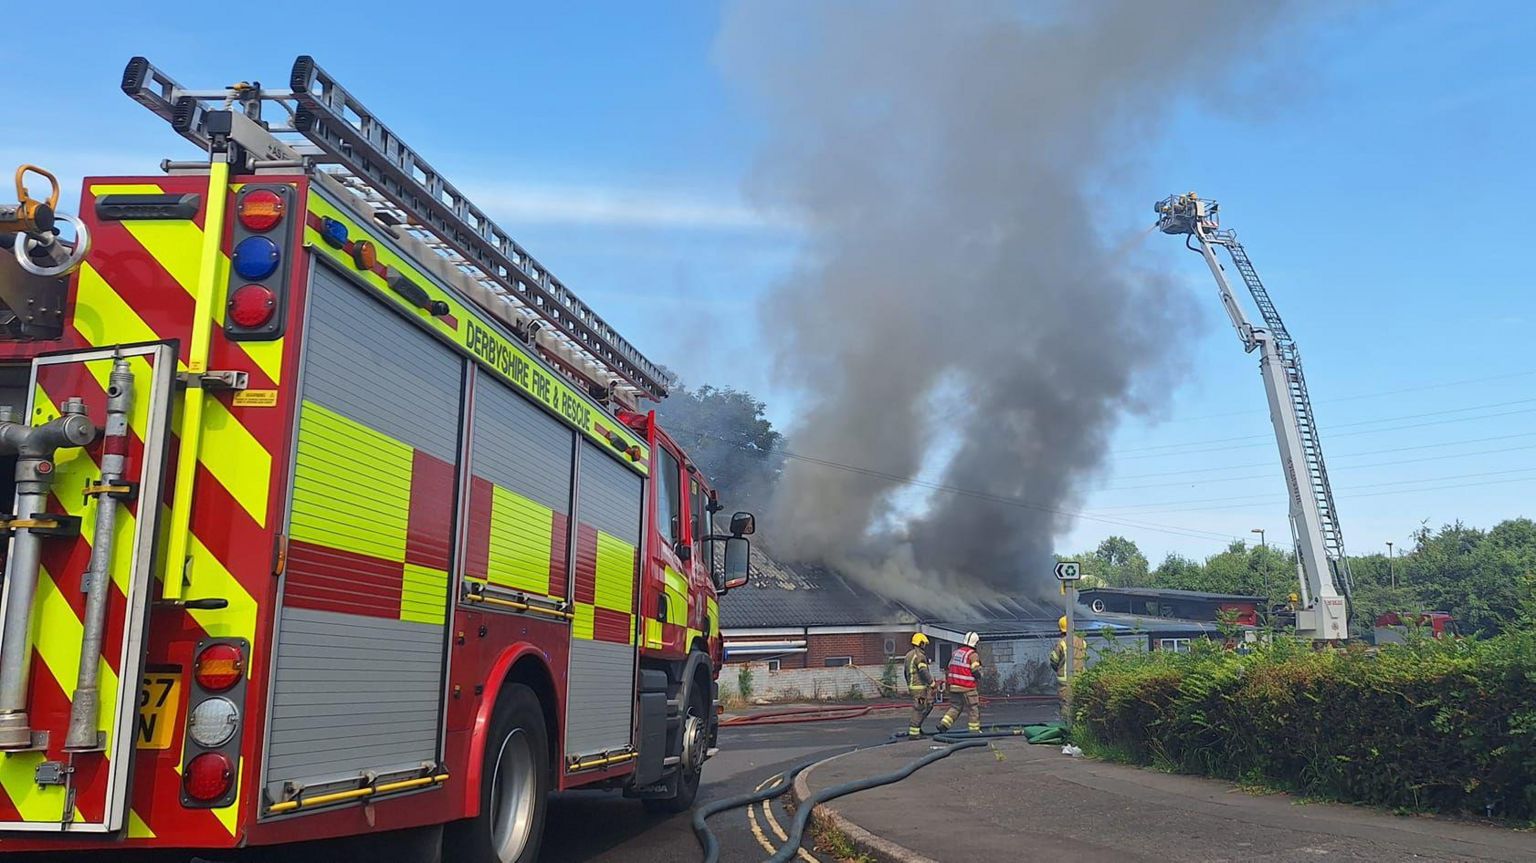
(514, 787)
(695, 741)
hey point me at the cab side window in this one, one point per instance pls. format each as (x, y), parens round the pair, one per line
(701, 519)
(669, 494)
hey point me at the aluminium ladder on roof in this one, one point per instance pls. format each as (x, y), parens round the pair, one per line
(350, 145)
(1312, 447)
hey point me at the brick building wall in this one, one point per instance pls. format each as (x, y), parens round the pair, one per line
(865, 648)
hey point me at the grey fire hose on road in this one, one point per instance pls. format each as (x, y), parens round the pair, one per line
(1036, 733)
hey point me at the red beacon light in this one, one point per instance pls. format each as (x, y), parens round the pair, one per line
(631, 418)
(261, 210)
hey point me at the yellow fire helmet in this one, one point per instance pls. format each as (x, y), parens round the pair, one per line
(919, 639)
(1062, 623)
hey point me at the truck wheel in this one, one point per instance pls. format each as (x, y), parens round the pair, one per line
(514, 787)
(695, 743)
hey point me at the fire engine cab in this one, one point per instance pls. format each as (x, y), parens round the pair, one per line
(334, 510)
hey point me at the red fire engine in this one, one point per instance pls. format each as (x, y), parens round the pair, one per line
(335, 511)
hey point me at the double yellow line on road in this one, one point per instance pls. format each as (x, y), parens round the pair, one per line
(773, 823)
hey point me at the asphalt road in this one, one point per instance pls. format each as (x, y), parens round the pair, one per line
(604, 827)
(597, 827)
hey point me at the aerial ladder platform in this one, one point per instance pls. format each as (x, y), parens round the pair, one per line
(1322, 567)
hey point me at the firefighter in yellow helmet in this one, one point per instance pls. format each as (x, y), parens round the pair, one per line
(1059, 655)
(964, 672)
(919, 684)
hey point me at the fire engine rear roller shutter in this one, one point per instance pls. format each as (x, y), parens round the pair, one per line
(358, 681)
(602, 663)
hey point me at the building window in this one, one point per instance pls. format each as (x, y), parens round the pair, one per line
(890, 647)
(1177, 645)
(773, 665)
(838, 661)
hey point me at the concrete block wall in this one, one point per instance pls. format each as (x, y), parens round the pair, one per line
(865, 648)
(800, 684)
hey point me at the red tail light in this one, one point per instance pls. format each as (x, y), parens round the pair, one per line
(251, 306)
(261, 210)
(219, 667)
(208, 777)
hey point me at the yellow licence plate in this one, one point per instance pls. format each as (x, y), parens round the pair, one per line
(159, 696)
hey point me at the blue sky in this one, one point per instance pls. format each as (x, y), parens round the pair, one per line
(1378, 168)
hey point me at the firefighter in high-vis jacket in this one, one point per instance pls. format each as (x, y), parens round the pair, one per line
(1059, 655)
(919, 684)
(963, 673)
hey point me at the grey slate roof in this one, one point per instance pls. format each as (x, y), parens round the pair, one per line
(781, 595)
(1013, 616)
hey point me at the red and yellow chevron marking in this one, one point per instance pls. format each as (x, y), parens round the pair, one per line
(371, 523)
(136, 286)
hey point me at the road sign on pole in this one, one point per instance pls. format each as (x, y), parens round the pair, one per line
(1068, 572)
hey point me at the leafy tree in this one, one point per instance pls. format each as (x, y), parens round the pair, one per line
(727, 434)
(1481, 578)
(1177, 572)
(1485, 579)
(1121, 563)
(1255, 571)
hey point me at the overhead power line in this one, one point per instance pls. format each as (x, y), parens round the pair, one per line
(1230, 467)
(1272, 499)
(1372, 395)
(1157, 450)
(1353, 496)
(1203, 447)
(1346, 470)
(1007, 500)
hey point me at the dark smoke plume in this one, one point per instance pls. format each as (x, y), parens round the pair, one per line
(953, 162)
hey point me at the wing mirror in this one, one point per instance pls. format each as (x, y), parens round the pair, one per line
(738, 556)
(743, 524)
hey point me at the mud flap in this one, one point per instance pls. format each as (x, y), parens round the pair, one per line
(85, 788)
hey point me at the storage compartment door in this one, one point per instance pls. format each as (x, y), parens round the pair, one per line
(362, 629)
(600, 691)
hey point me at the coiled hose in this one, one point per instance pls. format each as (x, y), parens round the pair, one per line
(955, 740)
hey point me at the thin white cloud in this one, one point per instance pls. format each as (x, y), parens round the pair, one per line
(622, 207)
(512, 204)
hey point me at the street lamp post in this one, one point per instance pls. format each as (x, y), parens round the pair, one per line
(1267, 598)
(1260, 532)
(1391, 571)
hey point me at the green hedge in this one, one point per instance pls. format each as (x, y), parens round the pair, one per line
(1447, 725)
